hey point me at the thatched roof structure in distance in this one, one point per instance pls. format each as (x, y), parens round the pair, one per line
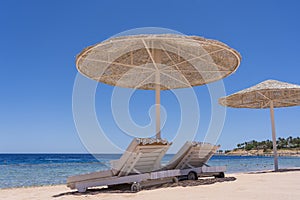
(259, 96)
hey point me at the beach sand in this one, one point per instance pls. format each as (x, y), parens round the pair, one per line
(280, 185)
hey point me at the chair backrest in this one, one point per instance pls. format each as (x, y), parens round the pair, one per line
(142, 155)
(179, 156)
(191, 155)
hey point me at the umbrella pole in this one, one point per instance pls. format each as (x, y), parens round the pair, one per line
(157, 102)
(274, 136)
(157, 59)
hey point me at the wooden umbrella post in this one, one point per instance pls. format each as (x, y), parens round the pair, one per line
(157, 102)
(157, 60)
(274, 136)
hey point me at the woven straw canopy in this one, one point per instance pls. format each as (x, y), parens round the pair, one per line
(259, 96)
(172, 61)
(268, 94)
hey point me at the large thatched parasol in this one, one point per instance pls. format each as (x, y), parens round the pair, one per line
(268, 94)
(158, 62)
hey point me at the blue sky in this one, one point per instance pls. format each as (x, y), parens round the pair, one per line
(40, 39)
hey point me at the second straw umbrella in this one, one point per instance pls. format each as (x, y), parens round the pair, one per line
(268, 94)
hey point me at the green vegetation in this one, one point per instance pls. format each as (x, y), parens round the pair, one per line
(282, 143)
(227, 151)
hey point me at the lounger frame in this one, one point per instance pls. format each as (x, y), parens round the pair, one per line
(151, 178)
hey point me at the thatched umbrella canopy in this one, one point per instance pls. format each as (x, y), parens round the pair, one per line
(158, 62)
(268, 94)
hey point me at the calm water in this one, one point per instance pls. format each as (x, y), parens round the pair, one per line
(17, 170)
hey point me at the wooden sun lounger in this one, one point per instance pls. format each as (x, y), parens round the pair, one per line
(142, 155)
(140, 166)
(192, 155)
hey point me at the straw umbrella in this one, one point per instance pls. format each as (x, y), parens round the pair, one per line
(157, 62)
(268, 94)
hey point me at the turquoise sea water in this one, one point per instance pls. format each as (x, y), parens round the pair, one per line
(18, 170)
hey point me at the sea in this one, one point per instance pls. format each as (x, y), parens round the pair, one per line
(23, 170)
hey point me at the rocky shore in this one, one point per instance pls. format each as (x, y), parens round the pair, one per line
(281, 152)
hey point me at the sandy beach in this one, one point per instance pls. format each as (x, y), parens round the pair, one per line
(281, 185)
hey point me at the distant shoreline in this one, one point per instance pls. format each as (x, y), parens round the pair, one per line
(267, 153)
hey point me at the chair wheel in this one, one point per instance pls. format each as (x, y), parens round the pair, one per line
(175, 180)
(135, 187)
(192, 176)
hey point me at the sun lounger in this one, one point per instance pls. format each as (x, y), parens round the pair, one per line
(192, 155)
(142, 155)
(140, 166)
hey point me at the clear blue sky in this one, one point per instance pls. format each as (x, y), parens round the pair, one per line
(40, 39)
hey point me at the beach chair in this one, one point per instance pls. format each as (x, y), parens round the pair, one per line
(142, 155)
(192, 155)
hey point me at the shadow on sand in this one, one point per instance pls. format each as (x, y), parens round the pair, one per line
(126, 187)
